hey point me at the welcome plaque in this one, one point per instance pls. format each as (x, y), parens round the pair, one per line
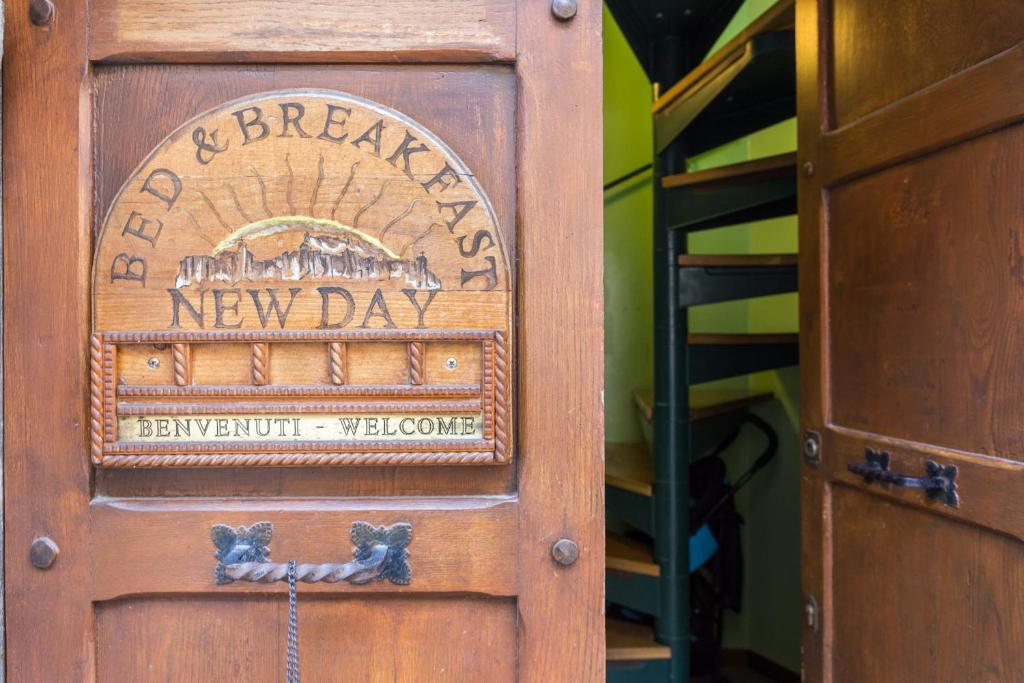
(301, 278)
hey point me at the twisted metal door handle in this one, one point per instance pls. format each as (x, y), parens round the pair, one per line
(939, 482)
(380, 554)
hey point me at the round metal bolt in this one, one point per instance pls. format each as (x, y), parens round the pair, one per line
(153, 363)
(565, 552)
(808, 169)
(451, 363)
(563, 9)
(811, 614)
(812, 447)
(40, 12)
(43, 552)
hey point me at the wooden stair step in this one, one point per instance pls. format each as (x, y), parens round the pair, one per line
(780, 165)
(711, 278)
(711, 357)
(630, 555)
(747, 84)
(627, 640)
(706, 403)
(737, 260)
(628, 466)
(729, 195)
(741, 339)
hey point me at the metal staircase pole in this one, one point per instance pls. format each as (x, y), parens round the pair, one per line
(671, 432)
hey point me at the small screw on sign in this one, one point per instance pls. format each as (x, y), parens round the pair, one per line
(451, 363)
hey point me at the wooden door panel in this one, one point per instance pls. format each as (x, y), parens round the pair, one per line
(921, 598)
(435, 30)
(926, 266)
(909, 225)
(882, 52)
(400, 639)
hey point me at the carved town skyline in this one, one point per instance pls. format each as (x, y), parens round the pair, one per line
(318, 257)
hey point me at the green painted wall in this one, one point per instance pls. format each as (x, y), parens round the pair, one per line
(770, 621)
(628, 295)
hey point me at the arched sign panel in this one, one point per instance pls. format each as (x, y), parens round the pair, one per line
(301, 278)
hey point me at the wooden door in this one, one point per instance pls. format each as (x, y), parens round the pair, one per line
(302, 281)
(911, 145)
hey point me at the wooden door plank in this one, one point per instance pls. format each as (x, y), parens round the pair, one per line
(925, 121)
(46, 469)
(815, 519)
(419, 638)
(561, 419)
(326, 31)
(126, 532)
(994, 509)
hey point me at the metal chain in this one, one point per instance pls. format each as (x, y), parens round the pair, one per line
(292, 664)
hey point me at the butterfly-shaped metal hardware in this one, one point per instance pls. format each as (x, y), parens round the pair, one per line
(396, 538)
(240, 544)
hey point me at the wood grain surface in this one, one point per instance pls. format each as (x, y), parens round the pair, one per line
(303, 30)
(915, 43)
(561, 343)
(910, 255)
(397, 639)
(46, 135)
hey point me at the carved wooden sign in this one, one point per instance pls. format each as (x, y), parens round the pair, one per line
(301, 278)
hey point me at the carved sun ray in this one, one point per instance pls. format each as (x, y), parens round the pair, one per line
(238, 205)
(316, 185)
(198, 229)
(275, 224)
(291, 184)
(213, 207)
(363, 209)
(263, 192)
(344, 190)
(396, 219)
(416, 239)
